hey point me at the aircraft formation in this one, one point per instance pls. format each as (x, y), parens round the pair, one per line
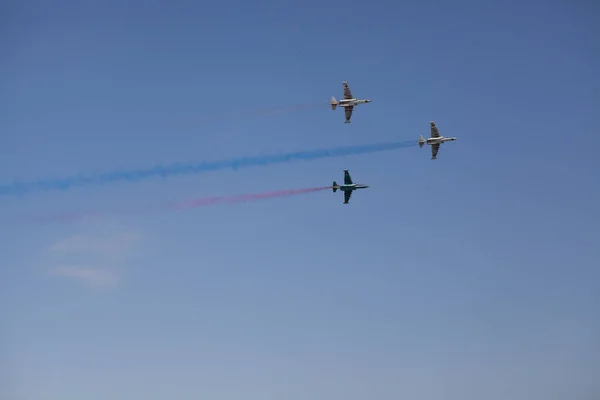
(348, 103)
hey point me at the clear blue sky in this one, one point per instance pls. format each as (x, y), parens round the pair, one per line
(473, 276)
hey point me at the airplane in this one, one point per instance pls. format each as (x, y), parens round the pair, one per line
(347, 187)
(434, 141)
(348, 102)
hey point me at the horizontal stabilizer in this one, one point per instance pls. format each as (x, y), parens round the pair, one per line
(334, 186)
(421, 141)
(333, 103)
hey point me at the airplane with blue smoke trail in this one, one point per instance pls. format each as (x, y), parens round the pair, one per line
(434, 141)
(348, 187)
(348, 102)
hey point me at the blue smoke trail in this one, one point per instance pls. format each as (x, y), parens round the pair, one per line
(164, 171)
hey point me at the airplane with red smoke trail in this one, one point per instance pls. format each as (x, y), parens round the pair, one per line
(348, 187)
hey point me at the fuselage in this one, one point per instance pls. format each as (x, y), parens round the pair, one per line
(352, 102)
(354, 186)
(440, 139)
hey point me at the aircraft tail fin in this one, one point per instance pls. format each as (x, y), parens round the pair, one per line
(333, 103)
(335, 186)
(421, 141)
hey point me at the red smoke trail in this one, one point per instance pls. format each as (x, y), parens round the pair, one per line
(199, 202)
(208, 201)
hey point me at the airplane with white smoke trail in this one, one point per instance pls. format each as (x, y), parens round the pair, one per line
(348, 102)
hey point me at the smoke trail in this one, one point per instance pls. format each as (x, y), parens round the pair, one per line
(261, 112)
(198, 202)
(164, 171)
(207, 201)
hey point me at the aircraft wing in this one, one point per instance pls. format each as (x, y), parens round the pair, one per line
(347, 196)
(434, 130)
(348, 110)
(347, 178)
(434, 151)
(347, 92)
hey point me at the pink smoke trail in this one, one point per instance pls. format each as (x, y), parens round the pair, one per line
(198, 202)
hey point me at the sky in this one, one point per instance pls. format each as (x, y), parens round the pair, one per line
(472, 276)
